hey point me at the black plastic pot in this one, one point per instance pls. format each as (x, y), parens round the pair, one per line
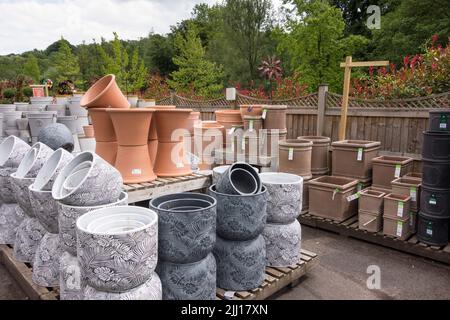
(436, 174)
(432, 230)
(440, 121)
(435, 202)
(436, 146)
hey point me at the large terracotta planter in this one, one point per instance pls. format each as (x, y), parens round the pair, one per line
(229, 118)
(251, 110)
(275, 117)
(295, 157)
(208, 136)
(253, 123)
(105, 93)
(153, 135)
(320, 153)
(105, 135)
(89, 131)
(386, 169)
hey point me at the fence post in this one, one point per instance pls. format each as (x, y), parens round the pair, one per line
(172, 98)
(323, 90)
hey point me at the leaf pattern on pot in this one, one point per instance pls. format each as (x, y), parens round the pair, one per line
(22, 194)
(46, 263)
(6, 189)
(71, 284)
(11, 216)
(192, 281)
(240, 264)
(284, 202)
(29, 235)
(19, 150)
(283, 244)
(45, 210)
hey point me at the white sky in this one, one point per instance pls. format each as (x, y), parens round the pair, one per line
(30, 24)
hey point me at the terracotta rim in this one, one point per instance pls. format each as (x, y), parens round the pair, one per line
(315, 139)
(110, 77)
(131, 110)
(166, 109)
(295, 143)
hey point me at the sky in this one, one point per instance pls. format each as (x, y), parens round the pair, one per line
(35, 24)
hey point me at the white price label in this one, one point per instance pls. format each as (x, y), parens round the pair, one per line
(250, 126)
(400, 209)
(264, 115)
(360, 154)
(180, 165)
(291, 154)
(433, 201)
(429, 231)
(360, 187)
(413, 194)
(136, 172)
(399, 228)
(398, 170)
(443, 126)
(231, 131)
(243, 145)
(353, 197)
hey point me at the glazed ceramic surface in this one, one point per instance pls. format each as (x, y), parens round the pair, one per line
(12, 151)
(29, 235)
(194, 281)
(21, 193)
(284, 196)
(122, 260)
(283, 244)
(71, 284)
(57, 136)
(45, 209)
(187, 226)
(46, 261)
(102, 183)
(232, 183)
(67, 218)
(33, 161)
(240, 217)
(50, 170)
(150, 290)
(240, 264)
(11, 216)
(6, 189)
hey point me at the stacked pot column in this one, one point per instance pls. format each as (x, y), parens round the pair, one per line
(240, 248)
(208, 137)
(186, 265)
(434, 217)
(233, 125)
(282, 232)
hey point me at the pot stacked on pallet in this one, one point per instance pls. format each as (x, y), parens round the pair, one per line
(187, 235)
(282, 232)
(434, 217)
(240, 248)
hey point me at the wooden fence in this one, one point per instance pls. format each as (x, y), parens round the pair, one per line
(397, 124)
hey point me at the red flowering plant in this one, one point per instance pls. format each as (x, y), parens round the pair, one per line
(156, 87)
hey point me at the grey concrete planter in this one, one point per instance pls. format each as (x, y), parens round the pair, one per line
(284, 196)
(98, 183)
(59, 108)
(29, 235)
(11, 216)
(150, 290)
(194, 281)
(283, 244)
(39, 121)
(57, 135)
(71, 284)
(117, 247)
(12, 151)
(239, 179)
(240, 217)
(187, 226)
(50, 170)
(70, 122)
(219, 171)
(67, 218)
(240, 264)
(46, 261)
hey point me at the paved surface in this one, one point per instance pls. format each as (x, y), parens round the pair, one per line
(341, 273)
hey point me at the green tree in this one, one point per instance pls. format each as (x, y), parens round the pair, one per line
(31, 68)
(195, 73)
(65, 64)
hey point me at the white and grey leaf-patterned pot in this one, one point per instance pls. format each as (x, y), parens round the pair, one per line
(284, 196)
(12, 151)
(117, 247)
(50, 170)
(240, 264)
(192, 281)
(100, 184)
(44, 208)
(6, 189)
(11, 216)
(71, 284)
(219, 171)
(22, 193)
(29, 235)
(240, 217)
(46, 261)
(150, 290)
(33, 161)
(239, 179)
(187, 226)
(283, 244)
(57, 135)
(67, 219)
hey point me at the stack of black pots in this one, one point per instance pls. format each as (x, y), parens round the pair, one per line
(186, 238)
(240, 248)
(434, 216)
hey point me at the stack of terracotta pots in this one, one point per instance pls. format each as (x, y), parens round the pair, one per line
(241, 217)
(208, 137)
(187, 235)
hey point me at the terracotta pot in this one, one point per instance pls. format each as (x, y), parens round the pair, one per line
(371, 201)
(134, 164)
(295, 157)
(103, 126)
(253, 123)
(386, 169)
(369, 221)
(168, 166)
(152, 151)
(107, 151)
(275, 117)
(251, 110)
(105, 93)
(320, 153)
(396, 227)
(153, 134)
(137, 119)
(169, 120)
(89, 131)
(208, 136)
(408, 187)
(229, 118)
(397, 206)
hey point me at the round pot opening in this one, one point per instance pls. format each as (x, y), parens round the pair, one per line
(48, 170)
(27, 163)
(280, 178)
(243, 181)
(184, 205)
(6, 148)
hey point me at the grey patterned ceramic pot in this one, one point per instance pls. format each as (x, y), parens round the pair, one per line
(150, 290)
(11, 216)
(219, 171)
(50, 170)
(239, 179)
(67, 218)
(21, 193)
(283, 244)
(12, 151)
(6, 189)
(187, 226)
(57, 135)
(46, 261)
(44, 208)
(192, 281)
(240, 217)
(284, 196)
(240, 264)
(100, 184)
(120, 257)
(71, 284)
(33, 161)
(29, 235)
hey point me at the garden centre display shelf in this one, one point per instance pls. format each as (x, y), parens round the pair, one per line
(349, 228)
(277, 279)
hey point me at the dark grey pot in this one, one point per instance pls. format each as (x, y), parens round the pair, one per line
(239, 179)
(186, 235)
(57, 135)
(240, 264)
(240, 217)
(194, 281)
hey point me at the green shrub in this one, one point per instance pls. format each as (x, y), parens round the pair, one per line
(9, 93)
(27, 92)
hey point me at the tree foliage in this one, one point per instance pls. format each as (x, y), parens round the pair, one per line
(64, 64)
(31, 68)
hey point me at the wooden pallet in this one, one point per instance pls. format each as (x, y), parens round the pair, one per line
(277, 279)
(349, 228)
(162, 186)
